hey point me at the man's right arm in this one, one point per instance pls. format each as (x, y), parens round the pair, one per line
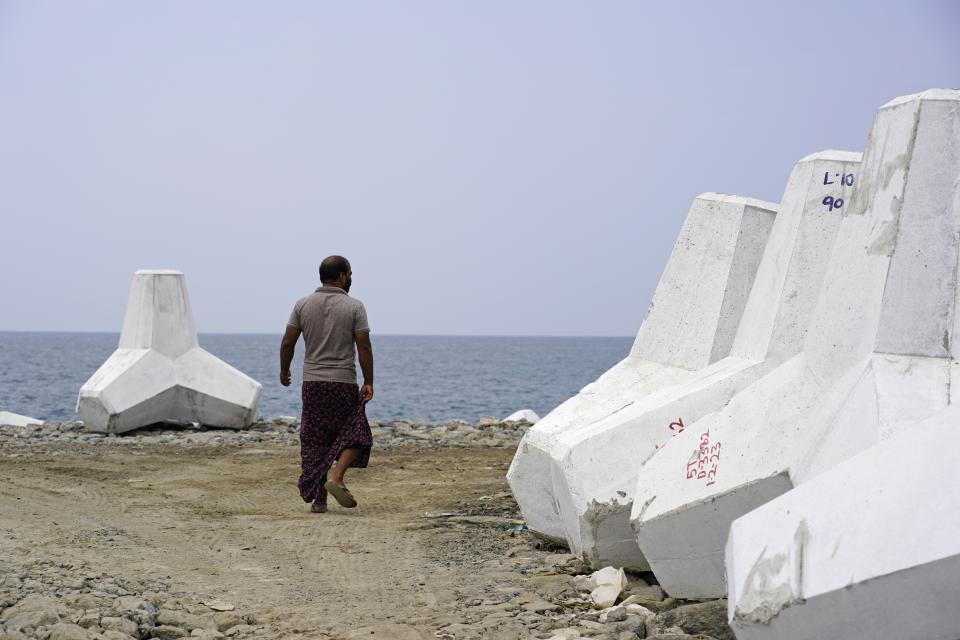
(365, 354)
(287, 347)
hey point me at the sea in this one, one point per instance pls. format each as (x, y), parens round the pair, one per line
(430, 378)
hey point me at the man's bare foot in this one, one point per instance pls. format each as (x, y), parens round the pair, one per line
(316, 507)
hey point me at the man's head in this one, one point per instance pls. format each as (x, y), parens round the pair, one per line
(335, 271)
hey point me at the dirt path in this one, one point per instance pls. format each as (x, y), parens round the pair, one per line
(228, 524)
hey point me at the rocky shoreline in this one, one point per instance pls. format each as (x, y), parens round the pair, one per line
(488, 432)
(48, 600)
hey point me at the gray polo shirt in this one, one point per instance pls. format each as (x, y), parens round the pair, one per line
(328, 318)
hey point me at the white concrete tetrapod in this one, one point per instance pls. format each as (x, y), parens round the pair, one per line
(8, 419)
(159, 373)
(877, 355)
(691, 322)
(595, 467)
(867, 549)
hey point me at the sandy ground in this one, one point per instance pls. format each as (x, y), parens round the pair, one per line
(228, 524)
(134, 540)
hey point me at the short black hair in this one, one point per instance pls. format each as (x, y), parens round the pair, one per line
(333, 267)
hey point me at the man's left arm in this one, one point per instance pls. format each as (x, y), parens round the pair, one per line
(287, 348)
(361, 335)
(365, 354)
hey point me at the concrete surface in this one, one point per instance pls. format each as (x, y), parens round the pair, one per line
(16, 420)
(691, 322)
(594, 468)
(877, 356)
(868, 549)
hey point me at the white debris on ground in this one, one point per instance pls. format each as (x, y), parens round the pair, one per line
(524, 415)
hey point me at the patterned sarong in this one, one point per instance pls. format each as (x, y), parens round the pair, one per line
(334, 418)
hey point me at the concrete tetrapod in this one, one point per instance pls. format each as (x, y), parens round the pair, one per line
(834, 557)
(595, 467)
(159, 373)
(691, 322)
(8, 419)
(877, 355)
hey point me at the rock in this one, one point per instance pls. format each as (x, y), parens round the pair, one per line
(33, 611)
(239, 629)
(503, 607)
(608, 583)
(521, 550)
(653, 592)
(116, 635)
(633, 622)
(653, 605)
(616, 614)
(88, 619)
(557, 560)
(65, 631)
(706, 618)
(628, 635)
(583, 583)
(510, 632)
(495, 619)
(387, 631)
(592, 627)
(167, 632)
(83, 601)
(456, 630)
(540, 606)
(569, 633)
(531, 618)
(186, 621)
(553, 586)
(206, 633)
(636, 609)
(123, 625)
(228, 619)
(133, 603)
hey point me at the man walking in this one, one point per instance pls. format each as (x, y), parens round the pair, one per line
(333, 425)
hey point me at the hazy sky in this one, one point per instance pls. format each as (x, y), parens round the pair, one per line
(488, 167)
